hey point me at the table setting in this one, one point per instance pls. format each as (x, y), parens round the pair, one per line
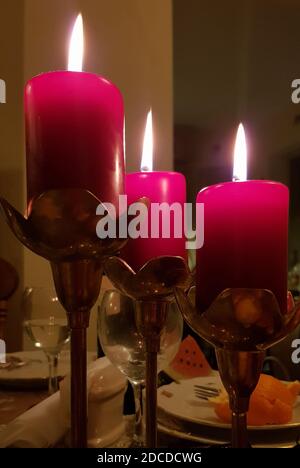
(87, 217)
(185, 412)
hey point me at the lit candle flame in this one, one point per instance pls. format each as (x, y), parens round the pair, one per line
(76, 46)
(240, 155)
(147, 156)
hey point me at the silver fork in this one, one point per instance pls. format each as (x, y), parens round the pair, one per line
(204, 392)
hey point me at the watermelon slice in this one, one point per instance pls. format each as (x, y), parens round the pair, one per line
(189, 362)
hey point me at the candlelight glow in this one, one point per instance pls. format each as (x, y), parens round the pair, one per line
(240, 155)
(76, 46)
(147, 156)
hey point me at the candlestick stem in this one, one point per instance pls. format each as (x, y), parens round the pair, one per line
(78, 388)
(239, 437)
(77, 285)
(239, 372)
(151, 318)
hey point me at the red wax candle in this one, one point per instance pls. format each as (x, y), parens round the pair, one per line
(74, 134)
(245, 239)
(159, 187)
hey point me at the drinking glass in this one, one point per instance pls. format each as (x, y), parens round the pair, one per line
(124, 345)
(46, 325)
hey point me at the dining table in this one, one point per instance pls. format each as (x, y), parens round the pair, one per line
(13, 403)
(175, 429)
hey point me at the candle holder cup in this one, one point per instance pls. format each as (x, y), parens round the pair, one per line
(61, 228)
(241, 324)
(152, 287)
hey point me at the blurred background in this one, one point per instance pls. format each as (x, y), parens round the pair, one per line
(202, 66)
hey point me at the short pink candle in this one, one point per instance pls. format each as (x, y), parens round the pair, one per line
(159, 187)
(245, 239)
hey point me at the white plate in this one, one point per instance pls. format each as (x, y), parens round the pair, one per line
(34, 374)
(184, 406)
(173, 434)
(185, 417)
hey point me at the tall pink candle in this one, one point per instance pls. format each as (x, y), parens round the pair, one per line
(245, 239)
(74, 134)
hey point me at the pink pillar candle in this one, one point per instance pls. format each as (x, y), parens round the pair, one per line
(245, 239)
(74, 135)
(159, 187)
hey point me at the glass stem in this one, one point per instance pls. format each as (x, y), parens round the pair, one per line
(138, 400)
(53, 380)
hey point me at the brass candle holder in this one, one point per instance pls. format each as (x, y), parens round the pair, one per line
(61, 228)
(241, 324)
(152, 287)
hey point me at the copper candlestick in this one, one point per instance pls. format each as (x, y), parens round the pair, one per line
(152, 287)
(241, 324)
(9, 281)
(61, 227)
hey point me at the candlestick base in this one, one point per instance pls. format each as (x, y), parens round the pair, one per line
(152, 287)
(61, 227)
(241, 324)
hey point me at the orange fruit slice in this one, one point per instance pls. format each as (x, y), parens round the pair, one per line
(270, 403)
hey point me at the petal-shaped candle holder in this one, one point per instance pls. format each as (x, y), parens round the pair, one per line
(61, 227)
(152, 287)
(241, 324)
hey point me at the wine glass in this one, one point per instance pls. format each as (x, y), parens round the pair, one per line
(46, 325)
(124, 345)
